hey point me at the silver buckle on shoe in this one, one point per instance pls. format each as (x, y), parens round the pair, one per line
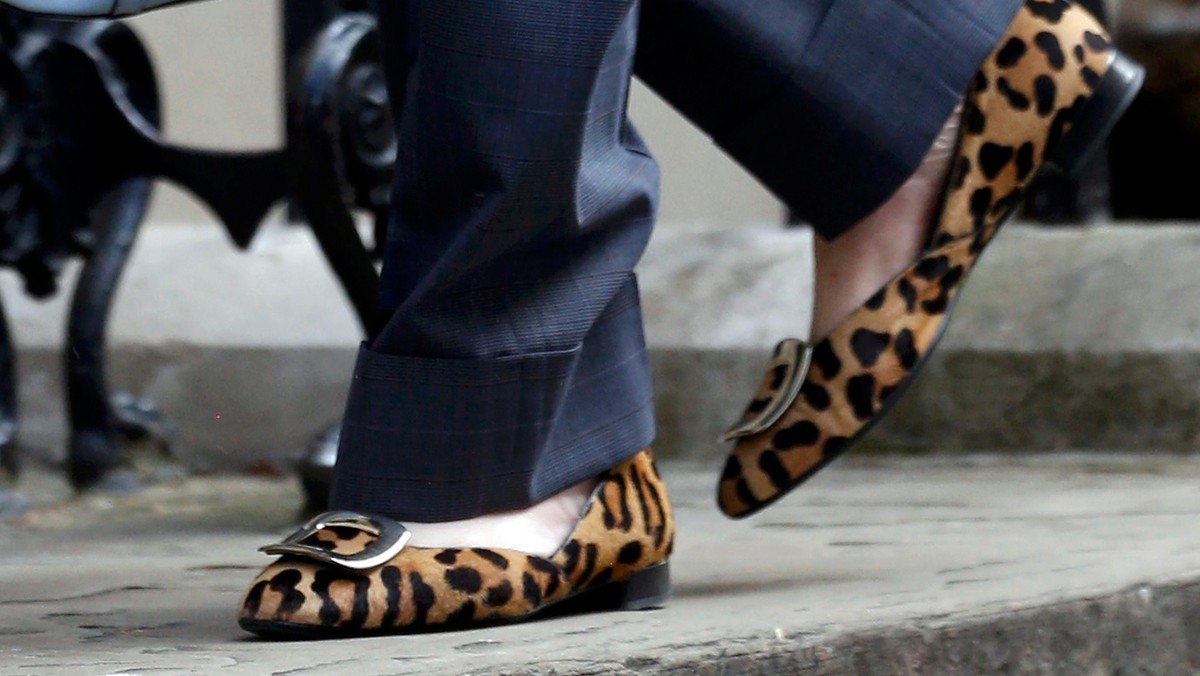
(390, 537)
(795, 356)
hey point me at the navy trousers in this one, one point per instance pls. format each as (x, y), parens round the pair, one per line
(514, 364)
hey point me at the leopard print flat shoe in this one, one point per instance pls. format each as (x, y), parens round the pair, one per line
(347, 574)
(1043, 100)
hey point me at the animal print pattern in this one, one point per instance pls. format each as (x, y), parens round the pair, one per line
(1021, 102)
(626, 528)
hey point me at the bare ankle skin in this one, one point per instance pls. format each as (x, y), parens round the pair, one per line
(850, 269)
(539, 529)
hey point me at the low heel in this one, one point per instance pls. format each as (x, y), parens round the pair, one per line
(1112, 96)
(644, 590)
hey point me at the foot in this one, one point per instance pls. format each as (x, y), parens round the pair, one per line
(794, 429)
(540, 529)
(851, 268)
(344, 575)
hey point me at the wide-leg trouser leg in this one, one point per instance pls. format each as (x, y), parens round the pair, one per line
(513, 364)
(831, 104)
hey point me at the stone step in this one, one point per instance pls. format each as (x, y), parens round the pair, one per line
(976, 564)
(1065, 338)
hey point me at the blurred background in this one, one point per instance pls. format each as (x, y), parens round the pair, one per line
(221, 65)
(238, 358)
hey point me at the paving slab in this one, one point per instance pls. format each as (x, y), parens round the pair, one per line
(1056, 564)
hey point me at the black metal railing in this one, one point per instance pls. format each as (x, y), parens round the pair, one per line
(80, 146)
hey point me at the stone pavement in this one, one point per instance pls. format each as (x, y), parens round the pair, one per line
(1056, 564)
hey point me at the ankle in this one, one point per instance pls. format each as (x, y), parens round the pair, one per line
(850, 269)
(538, 529)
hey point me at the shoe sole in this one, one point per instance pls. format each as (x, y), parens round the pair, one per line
(644, 590)
(1112, 97)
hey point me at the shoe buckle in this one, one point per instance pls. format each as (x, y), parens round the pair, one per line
(792, 359)
(390, 537)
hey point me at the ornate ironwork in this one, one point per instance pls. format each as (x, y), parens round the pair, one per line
(79, 146)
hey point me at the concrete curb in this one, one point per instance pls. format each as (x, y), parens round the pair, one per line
(1148, 629)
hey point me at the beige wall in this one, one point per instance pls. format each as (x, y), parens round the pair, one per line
(220, 66)
(700, 184)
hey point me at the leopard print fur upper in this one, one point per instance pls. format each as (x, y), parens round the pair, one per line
(1021, 102)
(627, 527)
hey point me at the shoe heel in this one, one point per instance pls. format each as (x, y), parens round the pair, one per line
(1113, 94)
(645, 589)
